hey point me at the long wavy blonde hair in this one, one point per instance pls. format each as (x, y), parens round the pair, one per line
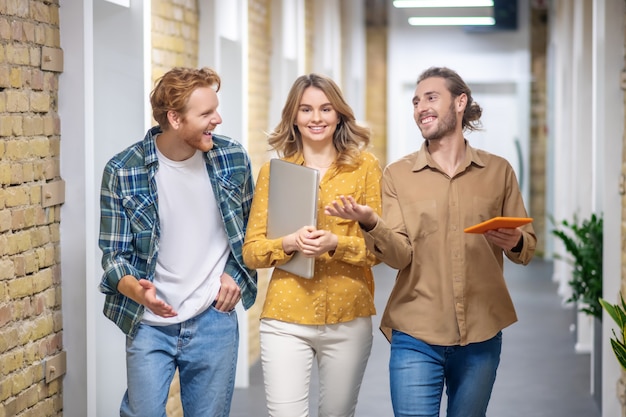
(349, 138)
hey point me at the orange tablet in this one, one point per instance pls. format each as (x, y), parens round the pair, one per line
(497, 223)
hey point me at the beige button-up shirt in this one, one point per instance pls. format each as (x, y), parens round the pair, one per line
(450, 288)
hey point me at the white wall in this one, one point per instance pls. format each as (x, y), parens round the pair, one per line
(75, 112)
(353, 64)
(119, 114)
(500, 59)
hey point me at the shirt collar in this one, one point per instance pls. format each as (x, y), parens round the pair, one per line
(149, 145)
(424, 159)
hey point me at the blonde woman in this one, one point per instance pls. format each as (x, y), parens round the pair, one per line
(327, 317)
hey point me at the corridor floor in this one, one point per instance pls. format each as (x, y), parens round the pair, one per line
(540, 374)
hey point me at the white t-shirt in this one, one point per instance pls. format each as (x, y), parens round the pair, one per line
(193, 247)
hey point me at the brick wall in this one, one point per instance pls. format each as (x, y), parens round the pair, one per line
(174, 35)
(259, 53)
(376, 89)
(30, 293)
(309, 35)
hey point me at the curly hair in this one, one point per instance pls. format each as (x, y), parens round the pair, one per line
(172, 90)
(456, 86)
(349, 137)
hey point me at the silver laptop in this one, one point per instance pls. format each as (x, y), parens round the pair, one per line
(292, 204)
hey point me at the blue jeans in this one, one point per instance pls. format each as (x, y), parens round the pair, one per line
(204, 349)
(418, 372)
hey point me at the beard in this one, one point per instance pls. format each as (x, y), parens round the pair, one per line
(446, 125)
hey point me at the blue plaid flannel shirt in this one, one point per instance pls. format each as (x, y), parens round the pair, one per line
(129, 223)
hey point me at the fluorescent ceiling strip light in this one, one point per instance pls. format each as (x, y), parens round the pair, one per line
(442, 3)
(452, 21)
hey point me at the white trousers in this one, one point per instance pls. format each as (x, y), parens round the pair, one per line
(287, 352)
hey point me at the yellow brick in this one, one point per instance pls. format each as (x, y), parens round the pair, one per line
(30, 216)
(3, 100)
(28, 29)
(5, 28)
(40, 236)
(5, 220)
(17, 54)
(17, 219)
(54, 14)
(43, 280)
(40, 12)
(27, 398)
(40, 34)
(9, 409)
(35, 195)
(42, 326)
(20, 287)
(39, 102)
(32, 125)
(57, 321)
(5, 174)
(55, 233)
(16, 196)
(17, 101)
(16, 174)
(50, 299)
(16, 120)
(54, 142)
(20, 241)
(39, 146)
(49, 256)
(40, 256)
(51, 125)
(11, 361)
(18, 264)
(15, 77)
(21, 381)
(52, 169)
(31, 262)
(27, 172)
(6, 124)
(6, 389)
(16, 150)
(53, 37)
(7, 270)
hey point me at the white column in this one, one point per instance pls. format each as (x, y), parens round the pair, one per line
(288, 51)
(608, 133)
(353, 58)
(560, 110)
(77, 237)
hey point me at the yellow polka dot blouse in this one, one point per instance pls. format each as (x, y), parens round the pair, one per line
(342, 288)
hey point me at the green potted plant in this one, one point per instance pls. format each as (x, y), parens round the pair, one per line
(584, 243)
(618, 314)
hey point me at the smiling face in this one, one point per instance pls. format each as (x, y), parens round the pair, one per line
(316, 119)
(435, 111)
(196, 125)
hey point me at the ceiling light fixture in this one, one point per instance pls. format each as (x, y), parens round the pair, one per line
(442, 3)
(452, 21)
